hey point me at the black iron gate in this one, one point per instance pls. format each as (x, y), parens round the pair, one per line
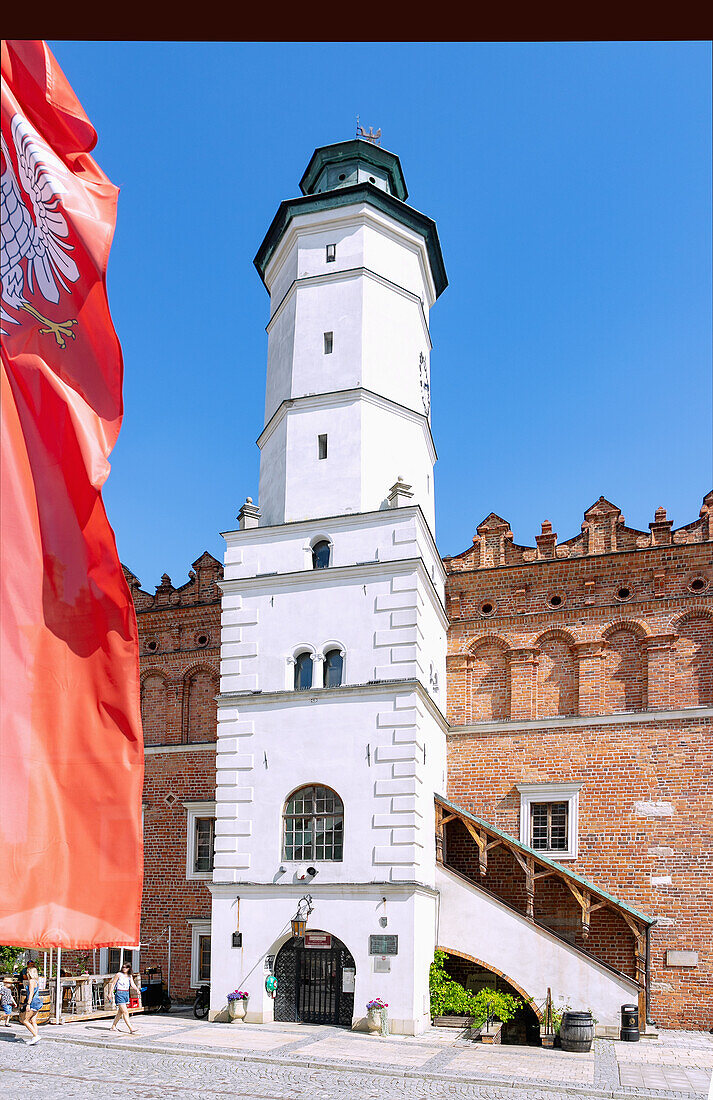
(309, 984)
(319, 985)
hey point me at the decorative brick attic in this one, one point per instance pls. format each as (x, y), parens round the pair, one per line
(588, 664)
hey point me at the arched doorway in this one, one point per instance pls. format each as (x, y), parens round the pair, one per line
(315, 984)
(474, 975)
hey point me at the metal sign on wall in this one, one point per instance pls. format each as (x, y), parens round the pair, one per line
(383, 945)
(318, 939)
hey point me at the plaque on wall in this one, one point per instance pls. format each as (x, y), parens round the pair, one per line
(383, 945)
(348, 979)
(318, 939)
(382, 964)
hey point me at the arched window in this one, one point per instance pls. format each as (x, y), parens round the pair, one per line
(333, 668)
(303, 671)
(321, 553)
(314, 825)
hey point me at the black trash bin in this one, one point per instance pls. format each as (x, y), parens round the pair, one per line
(629, 1032)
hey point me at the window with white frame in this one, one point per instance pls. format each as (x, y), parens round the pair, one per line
(200, 952)
(110, 959)
(549, 818)
(313, 825)
(200, 839)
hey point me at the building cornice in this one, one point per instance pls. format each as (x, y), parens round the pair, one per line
(324, 578)
(345, 691)
(198, 746)
(558, 722)
(338, 523)
(341, 275)
(370, 195)
(233, 889)
(333, 398)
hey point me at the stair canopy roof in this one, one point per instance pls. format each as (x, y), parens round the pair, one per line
(511, 842)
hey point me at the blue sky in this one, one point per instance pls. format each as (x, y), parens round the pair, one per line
(571, 188)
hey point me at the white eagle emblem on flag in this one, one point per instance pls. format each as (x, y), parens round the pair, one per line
(40, 243)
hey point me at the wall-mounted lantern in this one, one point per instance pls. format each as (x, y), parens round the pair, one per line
(299, 921)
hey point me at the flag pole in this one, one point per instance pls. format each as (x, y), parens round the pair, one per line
(58, 998)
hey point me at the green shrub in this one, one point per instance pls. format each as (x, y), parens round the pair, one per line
(8, 957)
(449, 998)
(503, 1006)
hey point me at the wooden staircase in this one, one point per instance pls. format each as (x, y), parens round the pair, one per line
(536, 867)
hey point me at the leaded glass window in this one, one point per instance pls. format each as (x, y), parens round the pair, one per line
(549, 826)
(314, 825)
(203, 852)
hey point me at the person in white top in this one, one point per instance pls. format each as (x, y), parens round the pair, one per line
(121, 985)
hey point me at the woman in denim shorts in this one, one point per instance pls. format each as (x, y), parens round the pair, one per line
(32, 1003)
(121, 987)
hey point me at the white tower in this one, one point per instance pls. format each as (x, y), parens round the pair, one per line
(331, 732)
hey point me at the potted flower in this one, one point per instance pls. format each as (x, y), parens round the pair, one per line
(374, 1013)
(237, 1004)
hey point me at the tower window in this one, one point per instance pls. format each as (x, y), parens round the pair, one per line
(321, 554)
(333, 668)
(322, 446)
(303, 671)
(328, 343)
(331, 253)
(313, 825)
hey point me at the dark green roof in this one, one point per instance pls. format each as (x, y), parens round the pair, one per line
(348, 196)
(356, 149)
(549, 862)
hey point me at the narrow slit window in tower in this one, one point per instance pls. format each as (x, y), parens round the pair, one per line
(331, 253)
(328, 343)
(322, 446)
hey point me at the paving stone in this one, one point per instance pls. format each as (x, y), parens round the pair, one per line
(78, 1064)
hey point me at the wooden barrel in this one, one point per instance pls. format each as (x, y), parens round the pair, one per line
(43, 1016)
(577, 1032)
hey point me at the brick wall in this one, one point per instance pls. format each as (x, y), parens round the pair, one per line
(612, 622)
(179, 638)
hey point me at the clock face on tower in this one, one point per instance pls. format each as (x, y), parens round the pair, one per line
(425, 384)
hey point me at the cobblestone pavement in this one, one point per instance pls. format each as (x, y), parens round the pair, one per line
(173, 1056)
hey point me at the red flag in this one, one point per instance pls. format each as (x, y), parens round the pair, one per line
(71, 749)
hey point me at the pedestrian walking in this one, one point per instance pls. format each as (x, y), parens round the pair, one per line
(7, 1001)
(32, 1003)
(121, 984)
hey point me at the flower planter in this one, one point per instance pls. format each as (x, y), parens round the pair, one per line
(373, 1019)
(237, 1009)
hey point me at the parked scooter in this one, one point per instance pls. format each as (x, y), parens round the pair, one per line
(202, 1003)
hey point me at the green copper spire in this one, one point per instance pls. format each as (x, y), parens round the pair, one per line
(347, 163)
